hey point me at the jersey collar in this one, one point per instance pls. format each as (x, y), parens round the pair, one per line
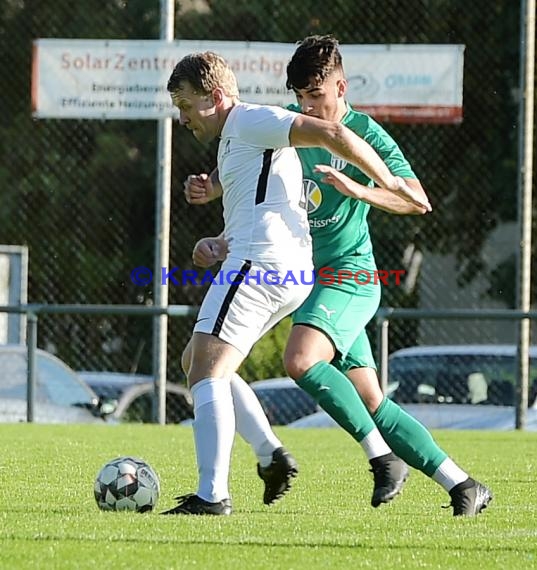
(347, 114)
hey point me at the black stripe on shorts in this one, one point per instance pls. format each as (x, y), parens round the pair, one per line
(261, 192)
(239, 278)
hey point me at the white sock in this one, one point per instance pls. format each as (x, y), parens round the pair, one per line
(251, 422)
(214, 431)
(374, 445)
(449, 474)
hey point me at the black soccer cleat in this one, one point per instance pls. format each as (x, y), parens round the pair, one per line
(469, 498)
(278, 475)
(389, 476)
(193, 505)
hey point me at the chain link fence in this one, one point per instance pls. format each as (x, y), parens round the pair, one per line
(81, 194)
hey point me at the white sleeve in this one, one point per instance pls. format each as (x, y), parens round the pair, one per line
(266, 126)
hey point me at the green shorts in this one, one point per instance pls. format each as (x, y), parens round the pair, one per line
(345, 297)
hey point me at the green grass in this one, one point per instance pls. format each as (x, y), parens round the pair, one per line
(49, 519)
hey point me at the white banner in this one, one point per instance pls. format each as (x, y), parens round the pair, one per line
(126, 79)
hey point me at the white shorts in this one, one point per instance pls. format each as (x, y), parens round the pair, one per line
(246, 299)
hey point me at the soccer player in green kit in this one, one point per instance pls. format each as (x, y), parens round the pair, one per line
(328, 345)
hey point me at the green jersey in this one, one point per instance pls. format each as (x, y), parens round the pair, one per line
(338, 223)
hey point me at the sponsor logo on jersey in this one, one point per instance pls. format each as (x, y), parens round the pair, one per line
(324, 223)
(337, 162)
(313, 194)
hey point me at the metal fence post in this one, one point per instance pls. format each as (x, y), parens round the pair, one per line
(162, 235)
(383, 324)
(525, 170)
(31, 343)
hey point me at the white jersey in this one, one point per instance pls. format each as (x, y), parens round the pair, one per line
(261, 177)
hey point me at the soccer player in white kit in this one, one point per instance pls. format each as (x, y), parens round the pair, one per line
(267, 235)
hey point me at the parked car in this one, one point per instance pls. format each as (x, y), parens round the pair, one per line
(455, 386)
(458, 374)
(61, 396)
(112, 384)
(282, 400)
(136, 404)
(133, 396)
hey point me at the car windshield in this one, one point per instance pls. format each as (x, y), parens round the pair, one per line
(54, 383)
(62, 386)
(455, 379)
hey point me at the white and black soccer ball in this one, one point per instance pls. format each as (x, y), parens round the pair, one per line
(127, 484)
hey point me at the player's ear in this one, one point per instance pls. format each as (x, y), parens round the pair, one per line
(341, 87)
(218, 96)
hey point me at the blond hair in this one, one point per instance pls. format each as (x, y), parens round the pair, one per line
(204, 72)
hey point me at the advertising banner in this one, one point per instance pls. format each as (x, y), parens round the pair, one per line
(126, 79)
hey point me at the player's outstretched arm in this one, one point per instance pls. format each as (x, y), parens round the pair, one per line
(378, 197)
(202, 188)
(339, 140)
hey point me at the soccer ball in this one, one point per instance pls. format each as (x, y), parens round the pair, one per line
(127, 484)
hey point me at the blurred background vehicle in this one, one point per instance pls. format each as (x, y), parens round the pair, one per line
(458, 374)
(455, 387)
(444, 386)
(108, 384)
(133, 396)
(283, 401)
(135, 404)
(64, 396)
(61, 396)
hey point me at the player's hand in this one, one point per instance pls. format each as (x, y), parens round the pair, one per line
(209, 251)
(349, 187)
(342, 183)
(404, 191)
(199, 189)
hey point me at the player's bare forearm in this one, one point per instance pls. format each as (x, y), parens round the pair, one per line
(357, 151)
(389, 202)
(377, 197)
(385, 200)
(341, 141)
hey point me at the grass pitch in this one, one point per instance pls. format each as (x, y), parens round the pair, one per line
(49, 519)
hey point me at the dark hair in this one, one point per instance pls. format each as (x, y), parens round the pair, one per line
(315, 58)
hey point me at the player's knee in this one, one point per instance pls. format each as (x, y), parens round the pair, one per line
(298, 363)
(372, 401)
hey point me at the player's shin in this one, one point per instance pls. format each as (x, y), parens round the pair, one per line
(251, 422)
(332, 390)
(214, 431)
(408, 438)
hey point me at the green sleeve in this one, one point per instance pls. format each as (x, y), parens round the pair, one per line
(388, 149)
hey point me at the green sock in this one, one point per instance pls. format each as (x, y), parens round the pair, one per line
(333, 391)
(409, 439)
